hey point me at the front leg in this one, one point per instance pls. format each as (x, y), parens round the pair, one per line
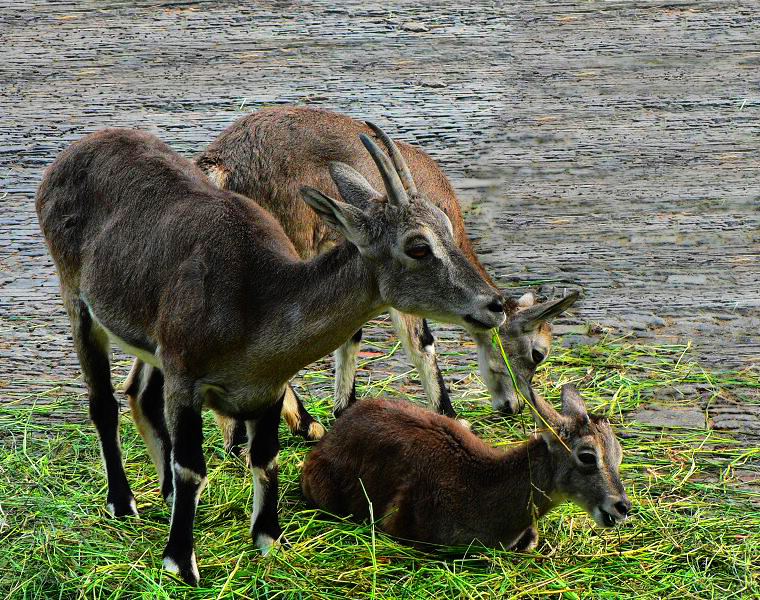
(419, 343)
(183, 419)
(264, 447)
(345, 374)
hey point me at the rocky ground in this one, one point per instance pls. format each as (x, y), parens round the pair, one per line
(611, 146)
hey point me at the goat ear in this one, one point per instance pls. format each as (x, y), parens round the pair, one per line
(532, 316)
(573, 405)
(347, 219)
(353, 187)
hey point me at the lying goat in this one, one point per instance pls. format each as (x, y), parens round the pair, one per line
(431, 480)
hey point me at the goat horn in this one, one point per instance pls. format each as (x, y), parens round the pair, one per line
(398, 160)
(393, 186)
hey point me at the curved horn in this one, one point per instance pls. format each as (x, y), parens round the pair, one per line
(393, 186)
(398, 160)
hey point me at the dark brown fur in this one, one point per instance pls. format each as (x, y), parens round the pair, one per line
(431, 480)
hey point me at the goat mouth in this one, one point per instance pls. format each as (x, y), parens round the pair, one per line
(608, 519)
(473, 321)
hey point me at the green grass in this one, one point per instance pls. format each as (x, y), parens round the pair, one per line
(694, 534)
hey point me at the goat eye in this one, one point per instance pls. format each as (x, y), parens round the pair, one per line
(587, 458)
(418, 251)
(538, 357)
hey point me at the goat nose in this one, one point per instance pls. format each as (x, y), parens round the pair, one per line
(623, 506)
(496, 305)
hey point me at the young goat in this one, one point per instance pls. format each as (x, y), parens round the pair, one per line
(431, 480)
(204, 285)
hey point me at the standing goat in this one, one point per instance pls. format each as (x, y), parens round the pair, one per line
(270, 154)
(204, 285)
(431, 480)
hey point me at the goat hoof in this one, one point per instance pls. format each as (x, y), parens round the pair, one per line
(125, 507)
(315, 432)
(266, 543)
(527, 542)
(186, 570)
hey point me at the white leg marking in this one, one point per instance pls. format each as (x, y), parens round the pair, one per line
(260, 485)
(188, 475)
(264, 543)
(260, 489)
(345, 372)
(132, 507)
(170, 565)
(423, 359)
(194, 567)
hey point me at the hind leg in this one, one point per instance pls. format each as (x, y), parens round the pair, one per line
(145, 390)
(92, 348)
(298, 419)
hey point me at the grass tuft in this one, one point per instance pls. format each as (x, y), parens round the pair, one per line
(693, 533)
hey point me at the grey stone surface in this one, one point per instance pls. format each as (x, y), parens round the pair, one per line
(611, 146)
(668, 416)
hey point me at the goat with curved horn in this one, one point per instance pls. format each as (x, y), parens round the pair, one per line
(393, 185)
(301, 146)
(398, 160)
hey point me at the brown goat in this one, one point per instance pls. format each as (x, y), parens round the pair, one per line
(430, 480)
(204, 285)
(271, 153)
(268, 156)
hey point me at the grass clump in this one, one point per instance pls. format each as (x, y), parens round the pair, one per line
(693, 533)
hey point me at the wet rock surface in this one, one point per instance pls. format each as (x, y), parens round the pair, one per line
(607, 146)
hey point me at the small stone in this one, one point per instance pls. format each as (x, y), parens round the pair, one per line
(433, 83)
(687, 279)
(415, 27)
